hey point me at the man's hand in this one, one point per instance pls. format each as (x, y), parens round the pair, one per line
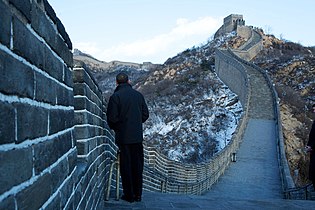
(308, 149)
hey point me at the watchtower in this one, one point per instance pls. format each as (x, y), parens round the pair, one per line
(230, 23)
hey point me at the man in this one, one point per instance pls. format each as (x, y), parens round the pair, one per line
(126, 111)
(311, 148)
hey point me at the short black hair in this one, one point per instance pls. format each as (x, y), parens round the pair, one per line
(122, 78)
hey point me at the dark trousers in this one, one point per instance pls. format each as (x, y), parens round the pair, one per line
(312, 168)
(131, 169)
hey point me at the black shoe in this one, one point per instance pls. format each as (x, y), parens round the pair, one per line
(138, 198)
(128, 199)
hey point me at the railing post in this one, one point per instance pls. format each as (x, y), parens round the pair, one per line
(110, 178)
(162, 186)
(165, 189)
(118, 175)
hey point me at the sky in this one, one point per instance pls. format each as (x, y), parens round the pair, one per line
(155, 30)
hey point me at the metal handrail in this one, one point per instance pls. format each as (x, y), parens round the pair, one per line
(116, 162)
(295, 193)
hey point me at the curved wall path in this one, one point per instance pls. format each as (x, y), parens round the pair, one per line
(255, 174)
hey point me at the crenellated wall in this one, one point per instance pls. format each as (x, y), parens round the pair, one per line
(55, 147)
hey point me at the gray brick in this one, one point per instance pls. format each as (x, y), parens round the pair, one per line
(34, 196)
(53, 66)
(83, 132)
(7, 123)
(48, 152)
(64, 34)
(72, 160)
(42, 26)
(68, 80)
(83, 202)
(79, 76)
(46, 89)
(64, 96)
(60, 120)
(59, 174)
(16, 78)
(5, 24)
(54, 204)
(8, 203)
(65, 194)
(78, 196)
(24, 7)
(16, 167)
(65, 143)
(81, 104)
(45, 154)
(63, 51)
(82, 148)
(80, 89)
(70, 205)
(27, 45)
(32, 122)
(50, 11)
(81, 118)
(46, 30)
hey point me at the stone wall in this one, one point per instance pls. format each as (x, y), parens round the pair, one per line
(95, 142)
(233, 73)
(244, 31)
(55, 147)
(251, 48)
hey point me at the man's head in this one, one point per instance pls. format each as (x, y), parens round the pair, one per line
(121, 78)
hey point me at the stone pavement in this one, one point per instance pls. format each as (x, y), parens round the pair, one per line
(158, 201)
(255, 175)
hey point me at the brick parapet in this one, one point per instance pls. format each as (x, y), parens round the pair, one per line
(39, 154)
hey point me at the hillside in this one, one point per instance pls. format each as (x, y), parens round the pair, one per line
(292, 69)
(194, 114)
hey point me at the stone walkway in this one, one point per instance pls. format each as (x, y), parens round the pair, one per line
(158, 201)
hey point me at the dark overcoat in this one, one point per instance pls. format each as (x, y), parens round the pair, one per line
(126, 111)
(311, 143)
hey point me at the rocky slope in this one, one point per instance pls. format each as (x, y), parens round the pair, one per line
(292, 69)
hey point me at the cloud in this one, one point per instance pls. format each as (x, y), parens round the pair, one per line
(185, 34)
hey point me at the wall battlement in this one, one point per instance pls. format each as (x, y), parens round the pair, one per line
(54, 144)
